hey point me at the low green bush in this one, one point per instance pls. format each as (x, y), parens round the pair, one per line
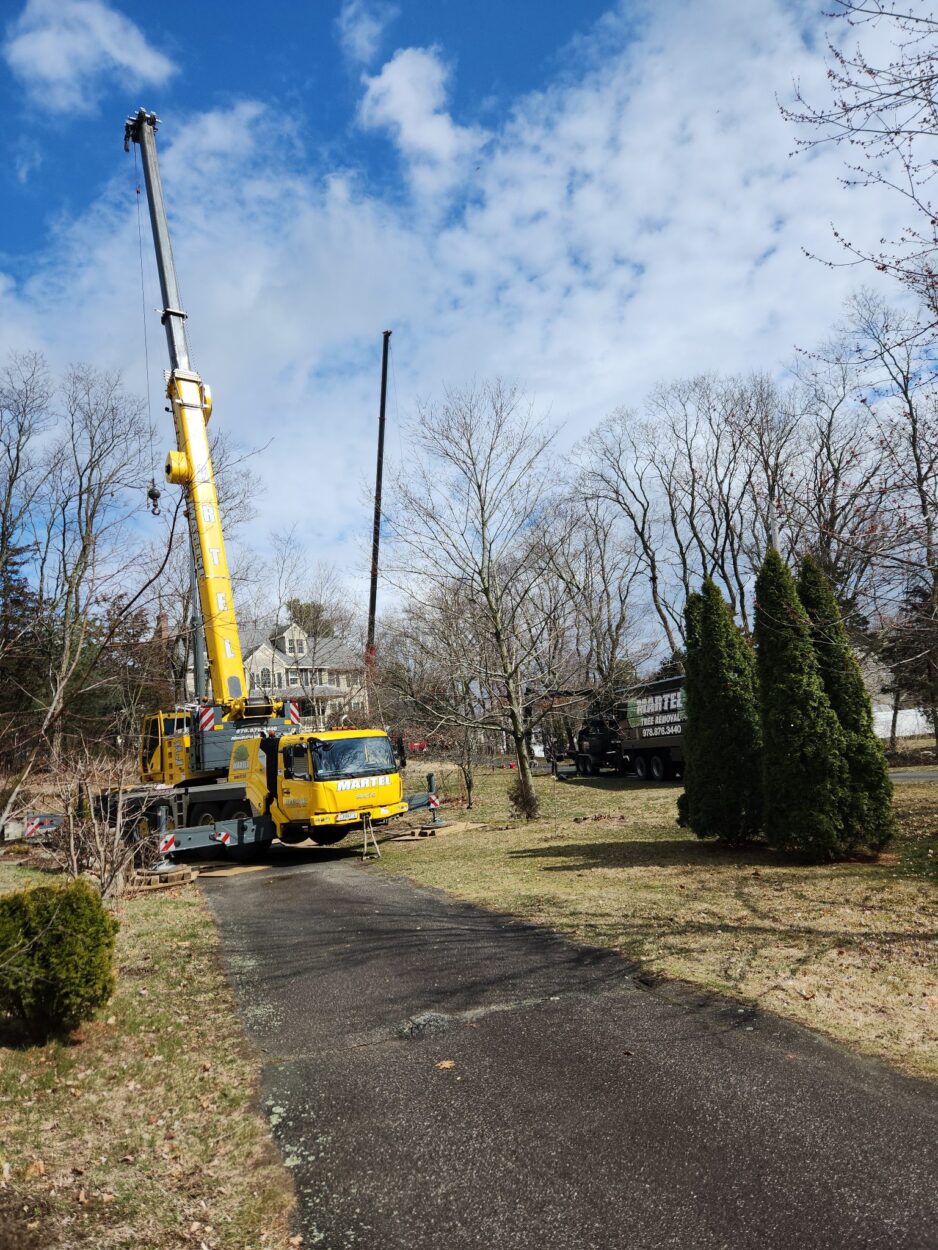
(56, 957)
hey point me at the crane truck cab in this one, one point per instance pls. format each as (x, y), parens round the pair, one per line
(326, 782)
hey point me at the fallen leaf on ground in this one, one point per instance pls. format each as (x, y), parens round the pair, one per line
(36, 1168)
(446, 1063)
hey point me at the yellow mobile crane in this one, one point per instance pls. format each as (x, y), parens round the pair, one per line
(240, 772)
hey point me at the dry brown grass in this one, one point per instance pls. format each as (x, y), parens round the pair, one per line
(146, 1131)
(849, 949)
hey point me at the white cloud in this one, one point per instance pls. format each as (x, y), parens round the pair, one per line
(27, 160)
(640, 220)
(62, 50)
(360, 27)
(408, 97)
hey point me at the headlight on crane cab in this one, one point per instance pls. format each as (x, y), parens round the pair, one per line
(177, 468)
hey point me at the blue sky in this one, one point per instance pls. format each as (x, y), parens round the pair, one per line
(584, 198)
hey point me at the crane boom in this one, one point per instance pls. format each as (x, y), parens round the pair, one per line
(190, 465)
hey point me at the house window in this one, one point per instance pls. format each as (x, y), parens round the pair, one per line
(265, 678)
(300, 647)
(291, 646)
(292, 677)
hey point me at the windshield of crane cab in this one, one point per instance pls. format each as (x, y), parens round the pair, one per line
(353, 757)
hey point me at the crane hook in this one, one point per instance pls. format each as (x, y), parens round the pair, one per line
(153, 497)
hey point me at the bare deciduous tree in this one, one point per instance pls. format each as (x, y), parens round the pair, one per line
(883, 109)
(469, 518)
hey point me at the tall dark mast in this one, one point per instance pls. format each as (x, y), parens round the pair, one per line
(376, 532)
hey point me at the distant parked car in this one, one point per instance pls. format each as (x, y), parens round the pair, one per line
(414, 747)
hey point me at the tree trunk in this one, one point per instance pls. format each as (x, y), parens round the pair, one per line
(896, 698)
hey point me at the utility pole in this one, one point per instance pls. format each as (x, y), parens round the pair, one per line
(376, 532)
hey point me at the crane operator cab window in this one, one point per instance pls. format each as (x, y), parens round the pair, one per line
(150, 761)
(352, 757)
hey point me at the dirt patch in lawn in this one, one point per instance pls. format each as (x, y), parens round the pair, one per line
(850, 949)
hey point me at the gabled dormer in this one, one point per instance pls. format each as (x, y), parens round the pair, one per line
(290, 641)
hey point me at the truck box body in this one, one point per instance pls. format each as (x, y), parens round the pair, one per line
(642, 731)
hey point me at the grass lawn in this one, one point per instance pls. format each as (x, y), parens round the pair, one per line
(145, 1131)
(849, 949)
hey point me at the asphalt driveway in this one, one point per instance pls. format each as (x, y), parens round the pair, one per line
(439, 1076)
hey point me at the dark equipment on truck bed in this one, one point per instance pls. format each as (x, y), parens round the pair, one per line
(642, 732)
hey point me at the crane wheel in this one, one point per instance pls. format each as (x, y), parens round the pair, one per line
(204, 814)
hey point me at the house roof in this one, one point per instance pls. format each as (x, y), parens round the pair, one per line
(320, 653)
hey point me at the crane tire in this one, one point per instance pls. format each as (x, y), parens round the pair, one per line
(204, 814)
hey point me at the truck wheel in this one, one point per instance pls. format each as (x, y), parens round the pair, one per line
(238, 809)
(578, 764)
(657, 768)
(329, 839)
(641, 767)
(204, 814)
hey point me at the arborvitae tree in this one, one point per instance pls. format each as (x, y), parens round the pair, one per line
(805, 781)
(727, 798)
(868, 816)
(692, 702)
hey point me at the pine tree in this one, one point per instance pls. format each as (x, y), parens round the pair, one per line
(868, 815)
(805, 780)
(727, 734)
(692, 702)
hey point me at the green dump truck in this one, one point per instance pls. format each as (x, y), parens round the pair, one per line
(641, 733)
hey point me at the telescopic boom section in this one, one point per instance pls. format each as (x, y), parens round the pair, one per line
(190, 466)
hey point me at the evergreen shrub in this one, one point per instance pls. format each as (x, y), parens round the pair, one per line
(868, 815)
(724, 727)
(805, 778)
(56, 957)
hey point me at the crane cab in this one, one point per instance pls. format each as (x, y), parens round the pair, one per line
(165, 747)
